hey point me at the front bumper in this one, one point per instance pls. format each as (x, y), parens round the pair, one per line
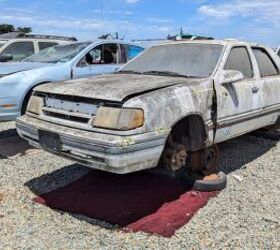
(111, 153)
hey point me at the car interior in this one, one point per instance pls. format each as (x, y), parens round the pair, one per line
(103, 54)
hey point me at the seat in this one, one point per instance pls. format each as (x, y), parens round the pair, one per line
(89, 58)
(108, 57)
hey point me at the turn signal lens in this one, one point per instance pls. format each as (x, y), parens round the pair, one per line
(7, 106)
(118, 118)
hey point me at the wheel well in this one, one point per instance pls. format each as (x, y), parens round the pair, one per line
(27, 96)
(190, 131)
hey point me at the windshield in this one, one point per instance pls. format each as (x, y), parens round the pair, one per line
(188, 59)
(58, 53)
(2, 43)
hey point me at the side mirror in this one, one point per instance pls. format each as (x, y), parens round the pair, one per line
(6, 57)
(230, 76)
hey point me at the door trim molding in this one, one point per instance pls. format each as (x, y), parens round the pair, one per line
(228, 121)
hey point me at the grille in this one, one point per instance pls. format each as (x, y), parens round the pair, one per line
(69, 110)
(70, 116)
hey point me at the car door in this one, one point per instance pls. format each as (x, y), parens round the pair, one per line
(238, 103)
(270, 85)
(19, 50)
(102, 59)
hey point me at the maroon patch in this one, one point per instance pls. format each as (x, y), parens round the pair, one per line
(139, 202)
(173, 215)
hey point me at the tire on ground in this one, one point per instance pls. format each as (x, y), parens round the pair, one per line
(207, 185)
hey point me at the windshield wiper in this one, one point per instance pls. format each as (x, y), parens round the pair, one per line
(167, 73)
(129, 72)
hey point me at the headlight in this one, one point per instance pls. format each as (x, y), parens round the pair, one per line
(35, 104)
(118, 118)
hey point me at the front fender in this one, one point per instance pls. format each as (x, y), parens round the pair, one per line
(18, 85)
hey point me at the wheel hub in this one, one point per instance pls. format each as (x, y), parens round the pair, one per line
(175, 159)
(205, 160)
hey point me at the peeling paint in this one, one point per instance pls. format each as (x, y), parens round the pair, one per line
(126, 141)
(166, 101)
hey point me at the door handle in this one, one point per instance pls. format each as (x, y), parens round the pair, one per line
(255, 90)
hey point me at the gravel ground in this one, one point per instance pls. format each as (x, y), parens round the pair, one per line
(7, 129)
(246, 215)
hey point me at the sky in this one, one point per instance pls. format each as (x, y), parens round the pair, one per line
(254, 20)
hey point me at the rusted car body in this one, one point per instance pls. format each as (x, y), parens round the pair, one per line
(176, 97)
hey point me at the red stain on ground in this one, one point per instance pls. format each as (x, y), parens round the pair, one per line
(139, 202)
(173, 215)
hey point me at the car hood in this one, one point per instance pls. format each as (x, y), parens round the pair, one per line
(115, 87)
(15, 67)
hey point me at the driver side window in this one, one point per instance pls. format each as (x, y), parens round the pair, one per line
(102, 54)
(239, 60)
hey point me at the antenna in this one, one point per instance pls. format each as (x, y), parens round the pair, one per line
(102, 14)
(181, 31)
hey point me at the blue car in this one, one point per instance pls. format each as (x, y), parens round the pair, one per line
(58, 63)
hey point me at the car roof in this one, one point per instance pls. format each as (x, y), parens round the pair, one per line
(21, 35)
(101, 41)
(33, 39)
(114, 41)
(214, 42)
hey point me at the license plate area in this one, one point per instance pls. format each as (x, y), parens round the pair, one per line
(49, 140)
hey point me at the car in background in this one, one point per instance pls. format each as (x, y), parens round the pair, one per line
(16, 46)
(58, 63)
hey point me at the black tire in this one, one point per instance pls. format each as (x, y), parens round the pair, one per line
(207, 185)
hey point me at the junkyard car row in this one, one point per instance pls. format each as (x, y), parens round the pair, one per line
(173, 103)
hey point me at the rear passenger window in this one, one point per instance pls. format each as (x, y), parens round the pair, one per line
(44, 45)
(239, 60)
(266, 66)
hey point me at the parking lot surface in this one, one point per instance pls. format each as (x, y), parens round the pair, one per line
(244, 215)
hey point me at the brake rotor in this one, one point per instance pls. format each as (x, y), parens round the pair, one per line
(205, 160)
(176, 158)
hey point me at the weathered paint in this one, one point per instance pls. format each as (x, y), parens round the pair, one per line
(115, 87)
(165, 101)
